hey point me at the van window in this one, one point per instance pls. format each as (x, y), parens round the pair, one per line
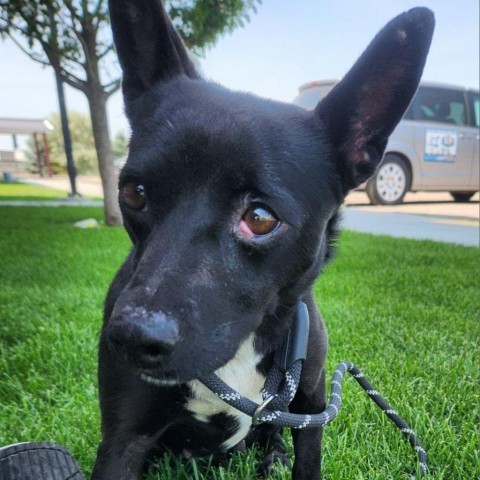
(474, 109)
(409, 115)
(310, 96)
(441, 105)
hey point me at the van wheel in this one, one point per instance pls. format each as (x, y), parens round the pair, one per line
(462, 197)
(391, 182)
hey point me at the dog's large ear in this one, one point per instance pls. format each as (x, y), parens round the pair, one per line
(362, 110)
(148, 47)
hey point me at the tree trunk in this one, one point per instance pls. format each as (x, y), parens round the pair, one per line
(97, 101)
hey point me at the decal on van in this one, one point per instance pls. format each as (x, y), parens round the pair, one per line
(441, 146)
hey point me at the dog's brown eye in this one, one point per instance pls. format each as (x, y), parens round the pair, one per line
(134, 195)
(259, 220)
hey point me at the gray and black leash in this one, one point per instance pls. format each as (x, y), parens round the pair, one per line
(282, 383)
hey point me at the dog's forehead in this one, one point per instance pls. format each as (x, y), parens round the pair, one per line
(189, 108)
(200, 132)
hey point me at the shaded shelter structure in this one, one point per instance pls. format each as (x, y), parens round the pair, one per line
(38, 128)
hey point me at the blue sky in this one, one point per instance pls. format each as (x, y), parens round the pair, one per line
(286, 44)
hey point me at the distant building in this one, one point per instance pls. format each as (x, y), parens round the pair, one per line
(14, 161)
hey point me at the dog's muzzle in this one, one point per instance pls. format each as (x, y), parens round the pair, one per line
(147, 338)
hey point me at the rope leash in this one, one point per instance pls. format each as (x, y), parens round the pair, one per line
(282, 383)
(272, 410)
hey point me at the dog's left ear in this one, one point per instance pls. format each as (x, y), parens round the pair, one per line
(362, 110)
(148, 47)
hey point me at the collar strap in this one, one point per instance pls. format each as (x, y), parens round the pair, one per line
(295, 345)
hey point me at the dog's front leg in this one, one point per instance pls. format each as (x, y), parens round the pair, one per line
(119, 461)
(310, 399)
(269, 438)
(123, 451)
(307, 442)
(132, 419)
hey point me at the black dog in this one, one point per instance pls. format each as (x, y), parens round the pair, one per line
(231, 202)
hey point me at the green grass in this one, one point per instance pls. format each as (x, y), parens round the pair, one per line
(406, 312)
(24, 191)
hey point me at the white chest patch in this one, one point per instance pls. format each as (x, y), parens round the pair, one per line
(239, 373)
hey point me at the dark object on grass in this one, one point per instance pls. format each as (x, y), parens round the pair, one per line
(37, 461)
(9, 177)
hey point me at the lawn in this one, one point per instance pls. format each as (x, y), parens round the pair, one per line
(406, 312)
(24, 191)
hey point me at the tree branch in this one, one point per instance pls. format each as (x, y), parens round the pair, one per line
(73, 80)
(72, 11)
(31, 23)
(107, 50)
(99, 16)
(30, 53)
(68, 77)
(19, 29)
(111, 87)
(76, 32)
(96, 10)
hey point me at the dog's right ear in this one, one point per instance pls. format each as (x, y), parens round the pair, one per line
(148, 47)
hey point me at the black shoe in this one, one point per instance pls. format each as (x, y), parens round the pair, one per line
(37, 461)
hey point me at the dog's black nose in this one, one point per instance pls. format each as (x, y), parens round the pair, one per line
(148, 338)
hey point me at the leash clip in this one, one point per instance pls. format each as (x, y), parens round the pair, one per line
(256, 416)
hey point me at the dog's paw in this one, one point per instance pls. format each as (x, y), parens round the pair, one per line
(220, 460)
(273, 457)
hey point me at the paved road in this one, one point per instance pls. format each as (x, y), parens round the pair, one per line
(429, 227)
(421, 203)
(423, 215)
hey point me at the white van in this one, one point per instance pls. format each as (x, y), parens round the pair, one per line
(434, 147)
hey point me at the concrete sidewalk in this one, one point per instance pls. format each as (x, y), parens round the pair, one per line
(427, 227)
(64, 202)
(423, 215)
(87, 185)
(439, 204)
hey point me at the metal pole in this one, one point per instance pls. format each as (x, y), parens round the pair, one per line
(47, 156)
(37, 153)
(67, 140)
